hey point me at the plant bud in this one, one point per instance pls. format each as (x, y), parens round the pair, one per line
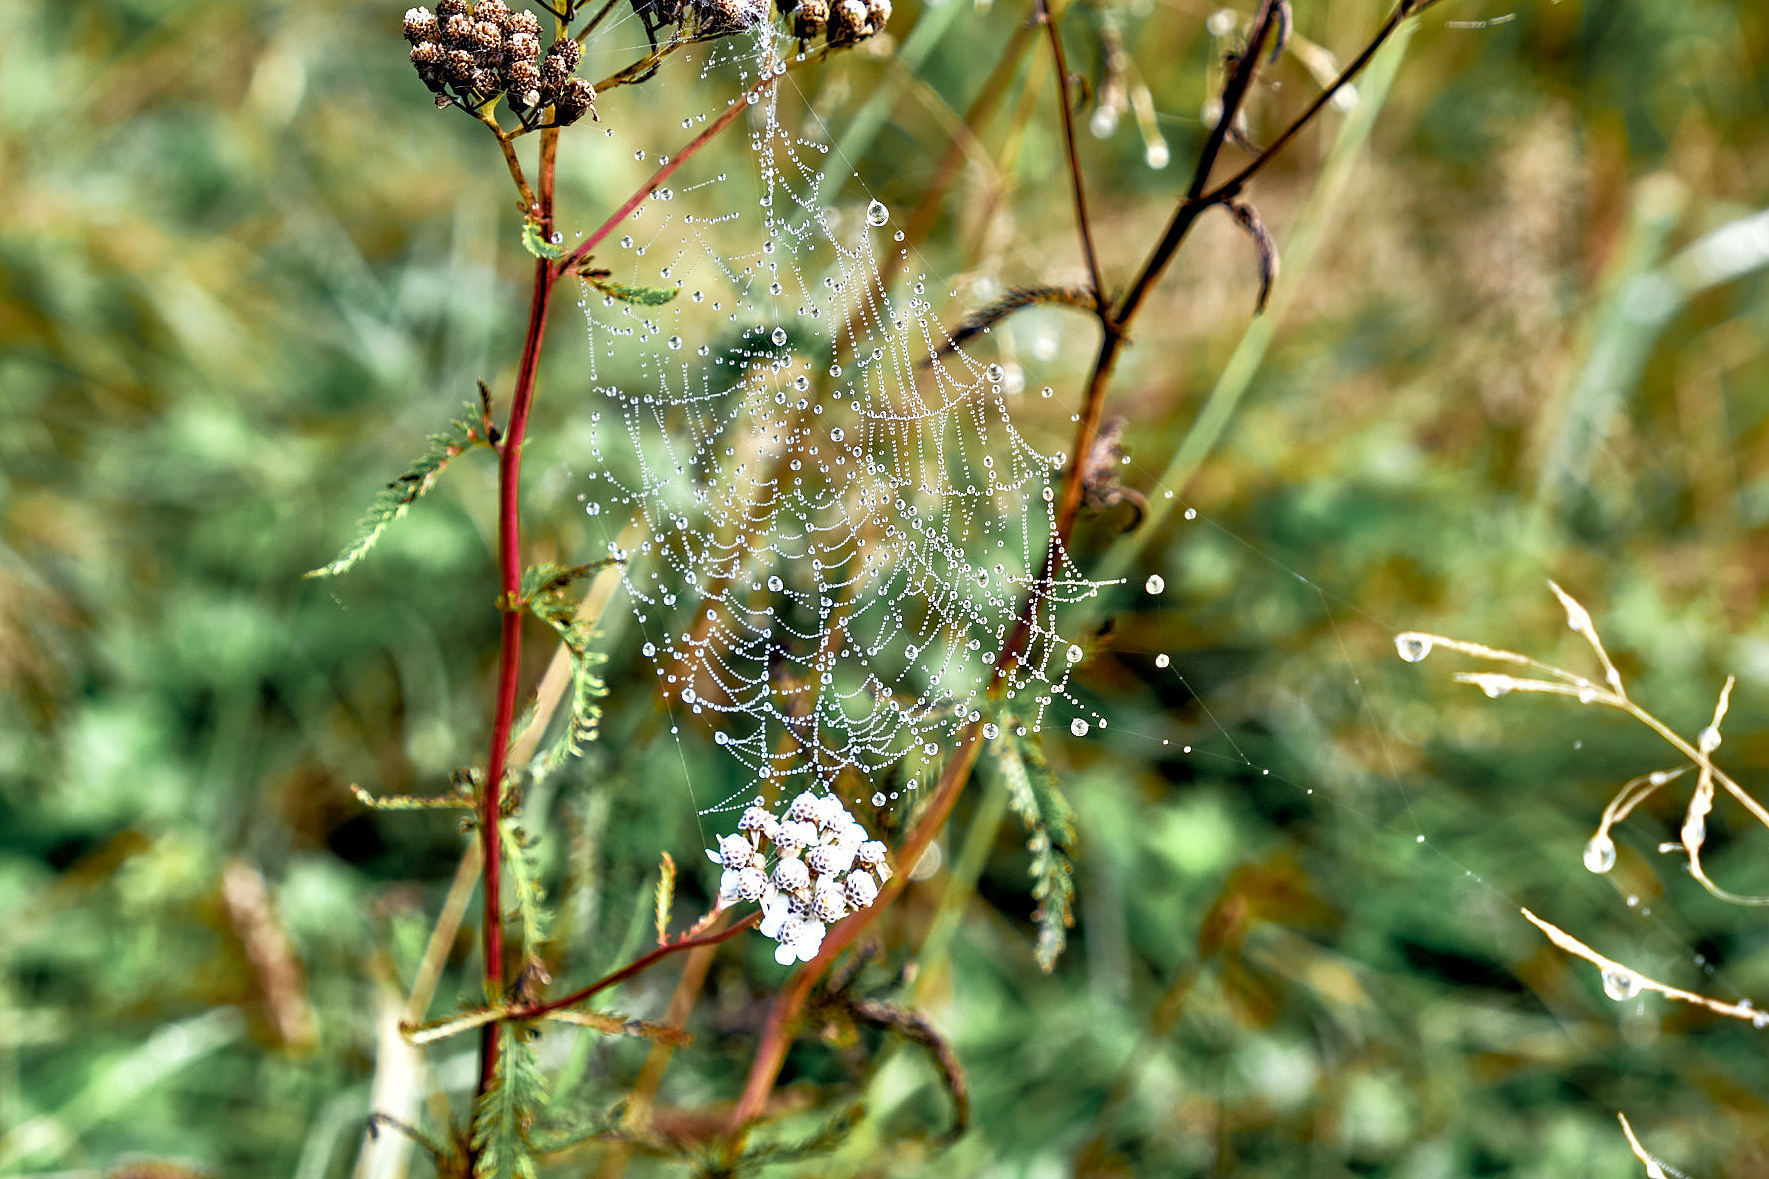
(421, 26)
(492, 10)
(847, 23)
(523, 47)
(522, 22)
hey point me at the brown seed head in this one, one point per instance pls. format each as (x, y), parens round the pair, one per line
(878, 15)
(523, 22)
(573, 102)
(457, 32)
(487, 81)
(488, 42)
(847, 23)
(459, 67)
(525, 47)
(448, 8)
(492, 10)
(421, 25)
(810, 19)
(522, 81)
(568, 51)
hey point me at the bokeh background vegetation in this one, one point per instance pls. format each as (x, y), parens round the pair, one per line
(245, 268)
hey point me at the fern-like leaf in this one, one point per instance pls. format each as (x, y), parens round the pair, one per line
(525, 884)
(504, 1112)
(393, 500)
(1033, 795)
(641, 296)
(610, 1024)
(412, 802)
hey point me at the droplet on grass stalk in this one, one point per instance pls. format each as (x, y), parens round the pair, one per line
(1600, 854)
(1621, 985)
(1412, 646)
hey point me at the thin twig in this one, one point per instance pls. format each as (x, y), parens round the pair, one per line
(1083, 223)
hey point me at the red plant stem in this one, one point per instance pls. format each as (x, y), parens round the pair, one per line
(546, 276)
(636, 966)
(725, 119)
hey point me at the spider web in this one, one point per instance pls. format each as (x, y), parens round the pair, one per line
(841, 525)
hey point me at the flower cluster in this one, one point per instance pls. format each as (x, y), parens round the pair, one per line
(823, 868)
(471, 53)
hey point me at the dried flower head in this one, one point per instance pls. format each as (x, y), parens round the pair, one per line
(810, 18)
(421, 26)
(878, 15)
(847, 23)
(572, 103)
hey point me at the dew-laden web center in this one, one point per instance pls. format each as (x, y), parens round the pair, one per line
(838, 524)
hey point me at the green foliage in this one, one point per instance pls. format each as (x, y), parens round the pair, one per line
(1033, 794)
(504, 1112)
(393, 500)
(535, 241)
(640, 296)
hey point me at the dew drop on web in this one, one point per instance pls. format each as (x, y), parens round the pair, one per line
(1155, 584)
(1600, 854)
(877, 214)
(1621, 985)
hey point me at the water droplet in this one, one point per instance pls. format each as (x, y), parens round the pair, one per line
(994, 374)
(1191, 513)
(1155, 584)
(650, 650)
(1600, 854)
(991, 731)
(592, 509)
(779, 337)
(878, 798)
(1162, 660)
(1412, 646)
(675, 342)
(836, 434)
(1621, 985)
(1075, 653)
(775, 585)
(1078, 727)
(877, 214)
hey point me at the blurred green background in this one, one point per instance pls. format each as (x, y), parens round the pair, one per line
(245, 268)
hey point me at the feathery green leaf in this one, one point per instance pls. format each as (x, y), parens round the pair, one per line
(392, 501)
(1033, 795)
(504, 1112)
